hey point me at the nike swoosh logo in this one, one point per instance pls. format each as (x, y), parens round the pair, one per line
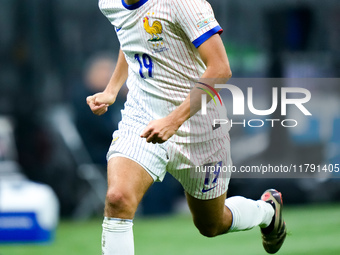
(216, 126)
(118, 29)
(206, 190)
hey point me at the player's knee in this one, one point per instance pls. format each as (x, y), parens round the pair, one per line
(120, 201)
(208, 230)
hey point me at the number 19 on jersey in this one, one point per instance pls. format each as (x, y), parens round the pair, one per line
(144, 63)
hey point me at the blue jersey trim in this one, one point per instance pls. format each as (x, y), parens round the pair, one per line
(197, 42)
(135, 5)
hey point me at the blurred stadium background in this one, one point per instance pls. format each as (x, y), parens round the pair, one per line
(55, 53)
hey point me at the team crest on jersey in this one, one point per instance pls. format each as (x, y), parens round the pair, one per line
(154, 30)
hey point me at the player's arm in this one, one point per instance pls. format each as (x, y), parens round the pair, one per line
(218, 71)
(100, 102)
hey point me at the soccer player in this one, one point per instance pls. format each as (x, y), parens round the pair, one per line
(171, 56)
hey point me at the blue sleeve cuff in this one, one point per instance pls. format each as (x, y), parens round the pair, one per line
(135, 5)
(198, 41)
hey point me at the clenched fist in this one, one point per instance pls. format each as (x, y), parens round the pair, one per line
(100, 102)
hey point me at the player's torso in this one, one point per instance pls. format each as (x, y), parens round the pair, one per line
(157, 50)
(163, 62)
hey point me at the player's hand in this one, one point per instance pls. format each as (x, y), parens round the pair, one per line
(100, 102)
(159, 131)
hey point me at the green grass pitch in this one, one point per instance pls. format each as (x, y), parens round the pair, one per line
(313, 230)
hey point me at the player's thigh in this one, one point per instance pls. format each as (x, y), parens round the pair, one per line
(202, 168)
(127, 178)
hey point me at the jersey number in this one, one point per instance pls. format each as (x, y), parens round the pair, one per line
(146, 62)
(217, 170)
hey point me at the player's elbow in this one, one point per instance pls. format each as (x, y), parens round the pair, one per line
(223, 71)
(226, 71)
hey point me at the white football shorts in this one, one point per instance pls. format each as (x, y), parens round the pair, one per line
(202, 168)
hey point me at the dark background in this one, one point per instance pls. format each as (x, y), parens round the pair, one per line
(45, 48)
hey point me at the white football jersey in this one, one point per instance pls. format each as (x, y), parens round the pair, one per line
(160, 39)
